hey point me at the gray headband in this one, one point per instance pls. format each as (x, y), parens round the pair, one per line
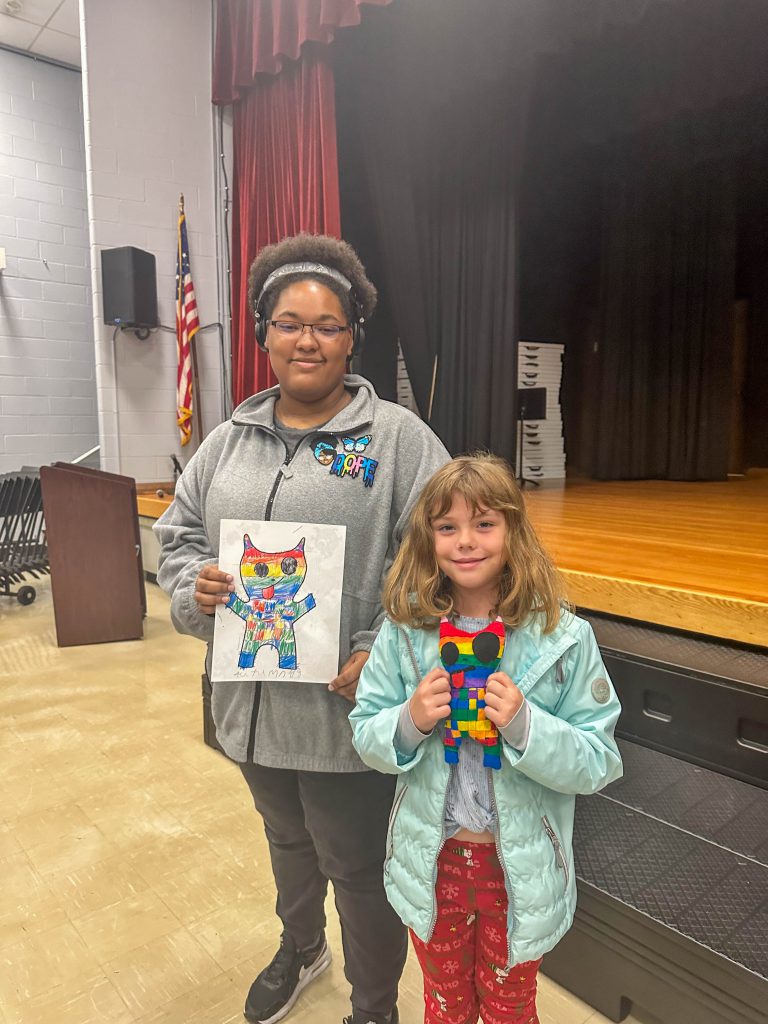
(305, 268)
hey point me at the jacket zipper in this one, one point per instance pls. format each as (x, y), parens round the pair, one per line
(443, 840)
(267, 515)
(391, 826)
(507, 884)
(557, 847)
(279, 477)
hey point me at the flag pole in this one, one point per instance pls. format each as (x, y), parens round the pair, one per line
(432, 389)
(196, 410)
(197, 414)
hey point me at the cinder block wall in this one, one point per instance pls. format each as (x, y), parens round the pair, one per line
(149, 136)
(47, 379)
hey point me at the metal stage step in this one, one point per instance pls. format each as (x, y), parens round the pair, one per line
(672, 859)
(693, 698)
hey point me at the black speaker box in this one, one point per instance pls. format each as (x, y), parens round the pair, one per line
(130, 287)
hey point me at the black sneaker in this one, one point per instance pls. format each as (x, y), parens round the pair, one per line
(364, 1018)
(277, 988)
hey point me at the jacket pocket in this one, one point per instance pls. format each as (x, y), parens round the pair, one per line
(391, 826)
(560, 858)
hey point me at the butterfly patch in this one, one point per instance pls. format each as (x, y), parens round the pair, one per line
(356, 445)
(350, 461)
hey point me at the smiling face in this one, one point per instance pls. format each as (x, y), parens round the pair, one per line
(308, 370)
(470, 550)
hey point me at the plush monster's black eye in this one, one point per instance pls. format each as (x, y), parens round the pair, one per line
(288, 565)
(449, 653)
(486, 647)
(261, 569)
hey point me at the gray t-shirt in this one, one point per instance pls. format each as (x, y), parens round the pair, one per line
(292, 436)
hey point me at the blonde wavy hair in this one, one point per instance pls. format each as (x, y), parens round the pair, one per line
(418, 594)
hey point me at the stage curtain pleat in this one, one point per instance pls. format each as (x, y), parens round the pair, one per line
(256, 37)
(665, 330)
(438, 162)
(285, 180)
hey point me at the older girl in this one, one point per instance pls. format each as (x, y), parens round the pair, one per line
(320, 447)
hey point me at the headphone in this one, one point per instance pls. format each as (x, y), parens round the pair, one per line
(259, 313)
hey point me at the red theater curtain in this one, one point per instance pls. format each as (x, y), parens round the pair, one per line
(256, 37)
(285, 180)
(270, 62)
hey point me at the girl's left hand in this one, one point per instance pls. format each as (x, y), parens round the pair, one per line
(502, 699)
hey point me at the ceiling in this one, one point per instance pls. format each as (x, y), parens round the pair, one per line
(48, 28)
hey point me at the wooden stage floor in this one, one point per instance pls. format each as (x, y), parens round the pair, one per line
(693, 556)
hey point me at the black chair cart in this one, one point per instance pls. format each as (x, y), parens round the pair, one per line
(23, 550)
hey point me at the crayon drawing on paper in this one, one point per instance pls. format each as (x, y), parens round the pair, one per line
(282, 621)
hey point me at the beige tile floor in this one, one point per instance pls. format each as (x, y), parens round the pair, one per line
(136, 886)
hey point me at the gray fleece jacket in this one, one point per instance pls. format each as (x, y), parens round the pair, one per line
(244, 471)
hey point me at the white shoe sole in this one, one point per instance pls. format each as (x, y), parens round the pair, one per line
(306, 975)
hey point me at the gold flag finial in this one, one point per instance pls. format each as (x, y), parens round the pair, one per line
(181, 203)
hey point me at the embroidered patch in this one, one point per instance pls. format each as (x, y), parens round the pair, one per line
(601, 691)
(357, 445)
(350, 461)
(325, 453)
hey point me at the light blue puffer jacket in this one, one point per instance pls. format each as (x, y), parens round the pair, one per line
(570, 750)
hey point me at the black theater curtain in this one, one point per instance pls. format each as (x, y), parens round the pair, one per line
(641, 142)
(436, 153)
(443, 112)
(432, 100)
(665, 328)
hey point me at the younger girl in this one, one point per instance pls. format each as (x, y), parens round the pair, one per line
(493, 707)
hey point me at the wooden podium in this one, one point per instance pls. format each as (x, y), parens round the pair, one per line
(94, 551)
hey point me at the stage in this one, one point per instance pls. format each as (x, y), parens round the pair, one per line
(692, 556)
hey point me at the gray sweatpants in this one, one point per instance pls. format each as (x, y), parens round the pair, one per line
(333, 825)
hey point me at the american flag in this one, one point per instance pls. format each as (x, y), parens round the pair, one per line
(187, 326)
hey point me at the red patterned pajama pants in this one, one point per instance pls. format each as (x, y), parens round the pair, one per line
(464, 964)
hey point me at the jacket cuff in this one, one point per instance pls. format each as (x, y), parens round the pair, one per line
(363, 640)
(408, 737)
(187, 617)
(516, 731)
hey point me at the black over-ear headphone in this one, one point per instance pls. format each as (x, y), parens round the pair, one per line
(259, 313)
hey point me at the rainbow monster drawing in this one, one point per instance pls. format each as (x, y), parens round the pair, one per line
(271, 580)
(469, 659)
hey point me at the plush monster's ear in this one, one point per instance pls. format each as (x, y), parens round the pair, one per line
(247, 543)
(300, 545)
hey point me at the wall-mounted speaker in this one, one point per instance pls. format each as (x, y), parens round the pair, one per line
(129, 283)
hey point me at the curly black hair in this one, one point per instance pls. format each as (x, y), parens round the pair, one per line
(306, 248)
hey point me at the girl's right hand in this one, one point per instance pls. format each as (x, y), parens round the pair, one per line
(212, 587)
(430, 702)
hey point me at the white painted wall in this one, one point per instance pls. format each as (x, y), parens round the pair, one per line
(148, 137)
(47, 380)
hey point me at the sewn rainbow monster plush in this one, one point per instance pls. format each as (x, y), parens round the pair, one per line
(271, 580)
(470, 658)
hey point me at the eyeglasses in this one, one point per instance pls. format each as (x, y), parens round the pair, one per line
(291, 331)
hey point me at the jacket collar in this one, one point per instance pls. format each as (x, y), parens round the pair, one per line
(259, 410)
